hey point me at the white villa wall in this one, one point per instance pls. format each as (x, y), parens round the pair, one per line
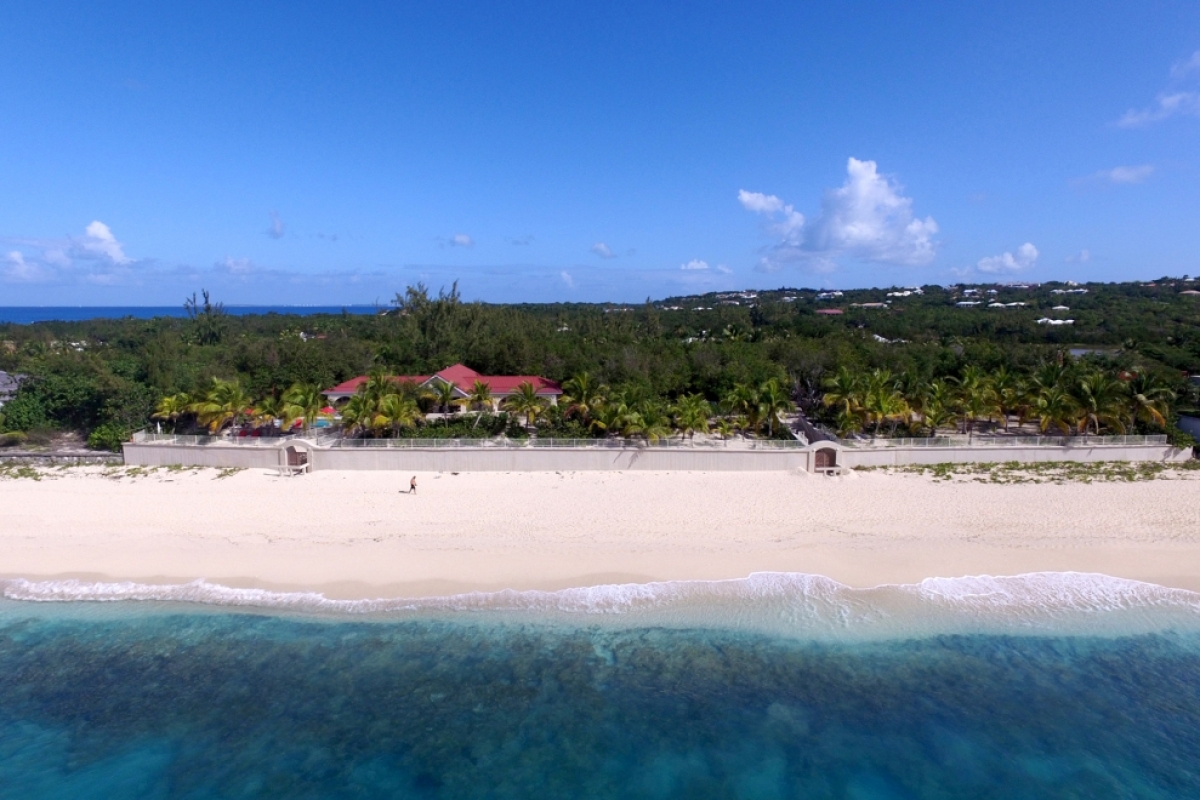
(902, 456)
(556, 460)
(212, 455)
(497, 459)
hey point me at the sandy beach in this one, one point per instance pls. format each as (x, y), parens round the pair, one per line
(356, 534)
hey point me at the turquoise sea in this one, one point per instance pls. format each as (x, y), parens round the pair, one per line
(777, 686)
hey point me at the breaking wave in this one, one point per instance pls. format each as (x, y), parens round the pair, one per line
(790, 604)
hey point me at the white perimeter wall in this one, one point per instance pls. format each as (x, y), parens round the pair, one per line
(900, 456)
(584, 459)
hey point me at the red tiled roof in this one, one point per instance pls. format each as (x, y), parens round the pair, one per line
(351, 386)
(829, 312)
(462, 377)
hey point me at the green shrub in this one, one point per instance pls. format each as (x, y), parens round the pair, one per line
(12, 439)
(1179, 438)
(108, 436)
(24, 412)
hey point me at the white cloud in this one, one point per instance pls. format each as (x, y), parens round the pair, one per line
(786, 222)
(1082, 257)
(1136, 174)
(461, 240)
(56, 256)
(602, 250)
(1025, 258)
(567, 279)
(99, 242)
(1179, 98)
(759, 203)
(18, 270)
(724, 270)
(1165, 106)
(1186, 67)
(235, 266)
(866, 218)
(276, 229)
(694, 264)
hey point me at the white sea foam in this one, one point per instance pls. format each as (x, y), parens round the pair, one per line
(794, 604)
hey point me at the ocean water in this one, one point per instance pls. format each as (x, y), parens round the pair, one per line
(24, 315)
(777, 686)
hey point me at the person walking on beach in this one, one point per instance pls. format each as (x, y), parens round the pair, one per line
(412, 485)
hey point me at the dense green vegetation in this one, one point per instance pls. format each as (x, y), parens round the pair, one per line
(711, 359)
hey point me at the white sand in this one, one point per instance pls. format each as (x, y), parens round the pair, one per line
(353, 534)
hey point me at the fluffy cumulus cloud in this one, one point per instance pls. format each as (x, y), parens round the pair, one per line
(694, 264)
(461, 240)
(602, 250)
(99, 243)
(1181, 97)
(867, 218)
(96, 257)
(567, 279)
(1082, 257)
(1025, 257)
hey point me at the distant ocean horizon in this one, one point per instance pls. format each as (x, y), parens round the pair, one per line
(25, 315)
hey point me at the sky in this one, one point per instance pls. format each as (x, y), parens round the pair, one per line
(321, 153)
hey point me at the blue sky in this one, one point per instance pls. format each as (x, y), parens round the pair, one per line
(314, 153)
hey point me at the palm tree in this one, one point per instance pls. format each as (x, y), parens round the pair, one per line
(583, 396)
(378, 385)
(1010, 393)
(744, 399)
(691, 414)
(619, 416)
(1149, 401)
(224, 402)
(445, 397)
(171, 408)
(655, 421)
(1054, 408)
(269, 409)
(914, 390)
(525, 401)
(358, 414)
(303, 401)
(723, 427)
(843, 392)
(397, 411)
(976, 397)
(480, 396)
(938, 410)
(881, 400)
(774, 402)
(1101, 400)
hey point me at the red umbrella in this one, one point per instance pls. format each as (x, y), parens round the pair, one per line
(327, 410)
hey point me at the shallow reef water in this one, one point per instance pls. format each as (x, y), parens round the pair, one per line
(210, 703)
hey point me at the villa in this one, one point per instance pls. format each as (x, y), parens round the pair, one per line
(8, 386)
(463, 379)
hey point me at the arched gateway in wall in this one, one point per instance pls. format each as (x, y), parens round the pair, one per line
(824, 458)
(294, 459)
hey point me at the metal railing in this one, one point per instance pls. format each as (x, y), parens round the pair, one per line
(145, 437)
(334, 438)
(1008, 441)
(733, 444)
